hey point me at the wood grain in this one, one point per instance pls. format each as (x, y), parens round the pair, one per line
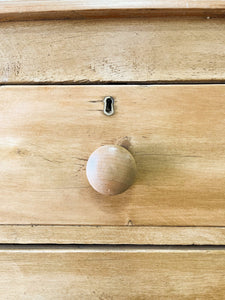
(176, 134)
(53, 5)
(51, 9)
(120, 235)
(113, 50)
(73, 273)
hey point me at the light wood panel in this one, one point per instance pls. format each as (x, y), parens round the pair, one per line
(121, 235)
(53, 5)
(113, 50)
(51, 9)
(112, 273)
(176, 134)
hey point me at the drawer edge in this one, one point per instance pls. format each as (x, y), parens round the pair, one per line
(112, 274)
(119, 235)
(33, 10)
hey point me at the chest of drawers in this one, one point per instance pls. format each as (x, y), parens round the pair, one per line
(163, 63)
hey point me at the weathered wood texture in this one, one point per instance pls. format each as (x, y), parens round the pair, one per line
(176, 134)
(112, 50)
(52, 9)
(112, 274)
(121, 235)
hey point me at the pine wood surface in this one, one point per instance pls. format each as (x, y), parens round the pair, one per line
(120, 235)
(175, 133)
(113, 50)
(111, 273)
(51, 9)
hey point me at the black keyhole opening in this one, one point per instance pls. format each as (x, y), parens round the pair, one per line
(108, 108)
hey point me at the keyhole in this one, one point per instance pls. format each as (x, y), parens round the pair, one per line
(108, 106)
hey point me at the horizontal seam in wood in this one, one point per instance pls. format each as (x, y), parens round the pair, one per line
(125, 83)
(110, 248)
(114, 226)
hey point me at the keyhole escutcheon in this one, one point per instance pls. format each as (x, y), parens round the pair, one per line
(108, 106)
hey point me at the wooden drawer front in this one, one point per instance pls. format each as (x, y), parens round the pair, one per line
(112, 274)
(176, 134)
(112, 50)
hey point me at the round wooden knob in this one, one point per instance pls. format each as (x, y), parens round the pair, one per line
(111, 169)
